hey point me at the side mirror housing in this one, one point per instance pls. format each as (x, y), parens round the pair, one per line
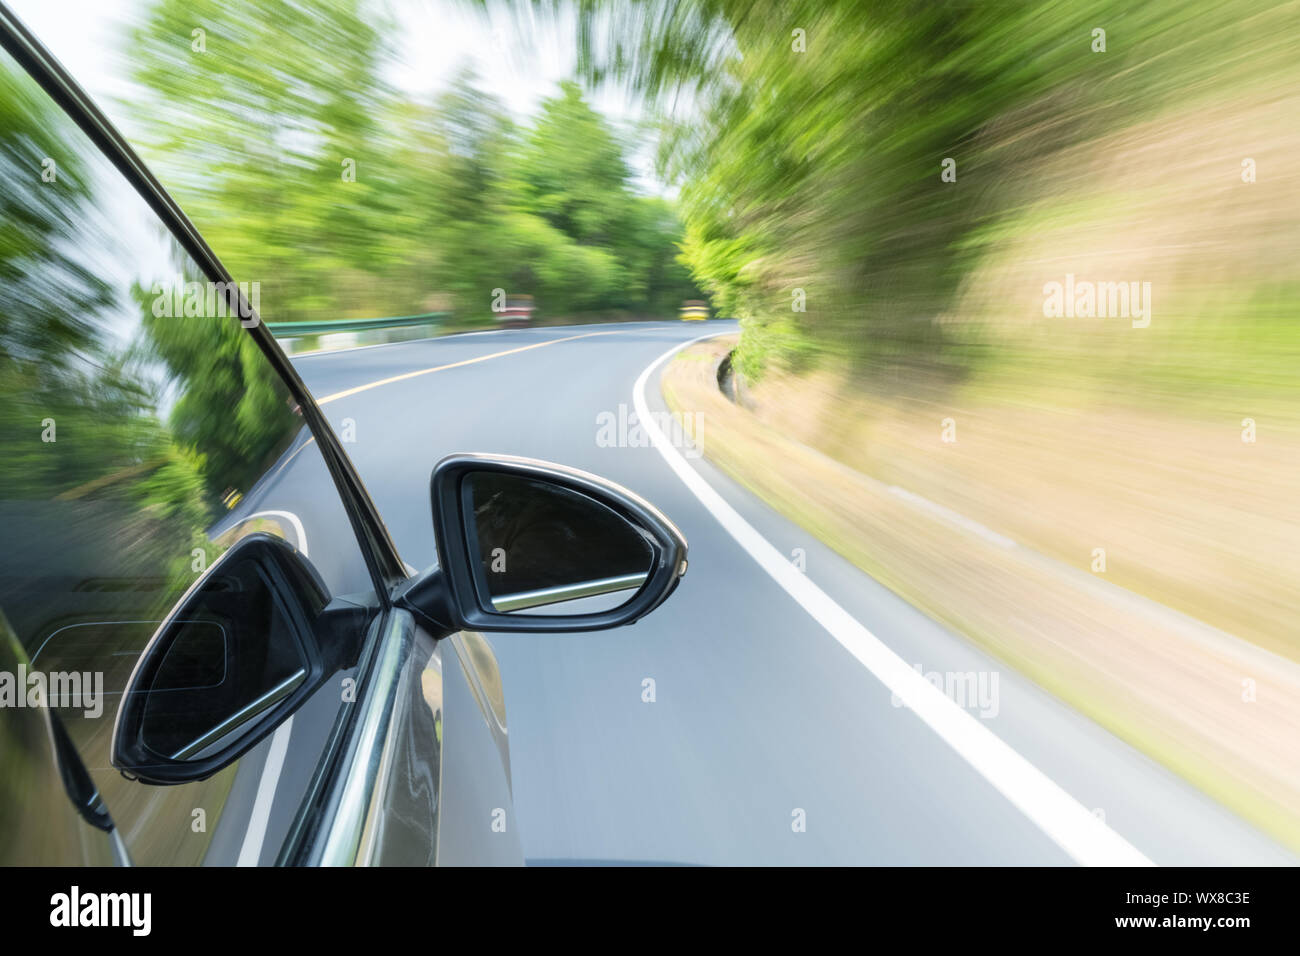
(243, 648)
(525, 545)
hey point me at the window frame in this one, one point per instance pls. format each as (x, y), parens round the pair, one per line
(385, 565)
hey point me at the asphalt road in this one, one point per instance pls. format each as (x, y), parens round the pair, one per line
(759, 712)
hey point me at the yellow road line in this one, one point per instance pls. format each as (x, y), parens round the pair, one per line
(439, 368)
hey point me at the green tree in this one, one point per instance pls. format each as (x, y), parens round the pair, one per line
(811, 156)
(259, 122)
(267, 126)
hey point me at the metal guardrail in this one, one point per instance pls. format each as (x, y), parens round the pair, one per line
(289, 330)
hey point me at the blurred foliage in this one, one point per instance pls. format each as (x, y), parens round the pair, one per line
(807, 138)
(48, 296)
(231, 406)
(100, 399)
(91, 465)
(258, 125)
(55, 364)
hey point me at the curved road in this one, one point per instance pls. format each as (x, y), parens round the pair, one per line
(761, 718)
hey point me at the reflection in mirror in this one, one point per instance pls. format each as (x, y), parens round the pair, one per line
(233, 657)
(141, 423)
(542, 544)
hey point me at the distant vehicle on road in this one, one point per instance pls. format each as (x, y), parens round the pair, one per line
(693, 310)
(518, 313)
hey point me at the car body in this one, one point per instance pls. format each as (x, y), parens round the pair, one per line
(210, 650)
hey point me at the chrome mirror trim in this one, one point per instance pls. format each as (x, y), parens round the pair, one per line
(246, 713)
(522, 600)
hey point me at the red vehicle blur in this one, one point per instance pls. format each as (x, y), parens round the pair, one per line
(518, 313)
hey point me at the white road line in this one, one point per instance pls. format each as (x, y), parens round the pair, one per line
(325, 400)
(292, 518)
(1066, 821)
(251, 850)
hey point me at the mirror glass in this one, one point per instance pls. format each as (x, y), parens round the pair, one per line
(546, 549)
(232, 657)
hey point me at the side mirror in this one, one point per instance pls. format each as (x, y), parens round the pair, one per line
(525, 545)
(241, 650)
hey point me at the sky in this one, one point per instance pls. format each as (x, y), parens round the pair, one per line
(436, 39)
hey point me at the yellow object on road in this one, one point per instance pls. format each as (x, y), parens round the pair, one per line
(693, 310)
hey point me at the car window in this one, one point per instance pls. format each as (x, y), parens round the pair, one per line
(144, 433)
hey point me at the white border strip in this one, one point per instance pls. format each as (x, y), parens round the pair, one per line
(1066, 821)
(250, 853)
(289, 516)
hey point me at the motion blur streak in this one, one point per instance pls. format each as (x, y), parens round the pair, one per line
(1026, 268)
(1033, 264)
(309, 170)
(1087, 839)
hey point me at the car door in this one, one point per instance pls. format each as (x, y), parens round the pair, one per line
(150, 427)
(210, 651)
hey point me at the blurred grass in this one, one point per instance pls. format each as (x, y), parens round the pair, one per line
(1167, 684)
